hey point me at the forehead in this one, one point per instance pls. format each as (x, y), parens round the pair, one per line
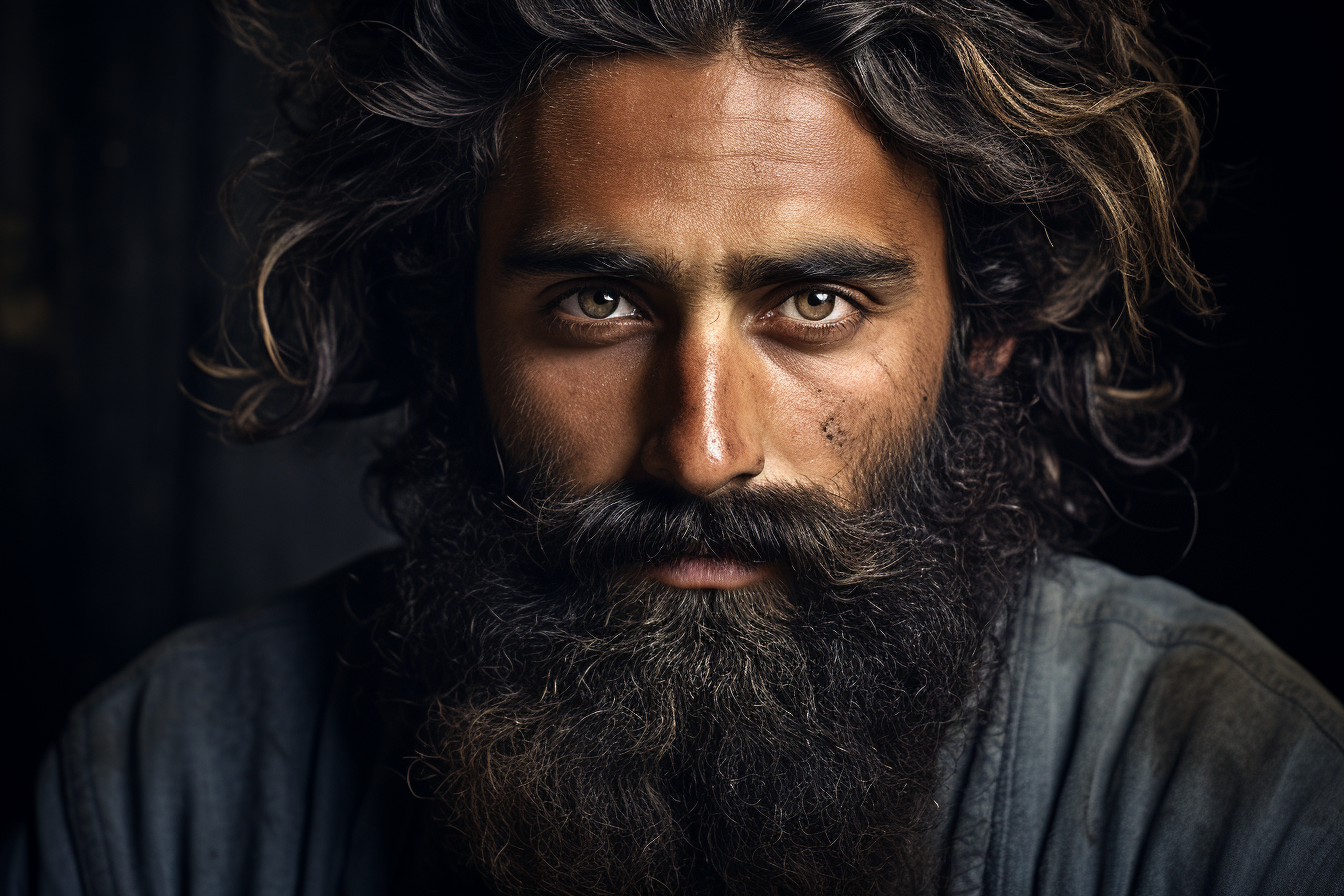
(702, 152)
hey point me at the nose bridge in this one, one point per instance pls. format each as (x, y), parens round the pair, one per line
(705, 433)
(700, 362)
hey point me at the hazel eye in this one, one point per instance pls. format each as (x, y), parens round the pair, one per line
(813, 305)
(598, 303)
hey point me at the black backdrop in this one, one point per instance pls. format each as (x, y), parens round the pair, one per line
(122, 518)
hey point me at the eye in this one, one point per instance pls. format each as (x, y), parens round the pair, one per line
(597, 303)
(816, 306)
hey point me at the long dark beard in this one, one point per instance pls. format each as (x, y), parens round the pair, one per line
(591, 731)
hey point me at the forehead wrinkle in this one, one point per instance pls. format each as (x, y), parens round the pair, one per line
(576, 122)
(748, 93)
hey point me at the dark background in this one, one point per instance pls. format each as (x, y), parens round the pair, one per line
(122, 516)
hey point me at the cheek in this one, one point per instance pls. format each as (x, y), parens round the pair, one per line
(837, 414)
(560, 408)
(878, 410)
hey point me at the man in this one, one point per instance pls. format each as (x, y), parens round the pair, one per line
(756, 356)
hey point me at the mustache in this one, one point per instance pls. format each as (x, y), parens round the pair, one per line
(825, 543)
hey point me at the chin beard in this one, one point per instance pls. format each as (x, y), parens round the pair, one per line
(587, 730)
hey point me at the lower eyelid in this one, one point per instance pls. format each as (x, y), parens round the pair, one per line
(822, 333)
(584, 320)
(593, 331)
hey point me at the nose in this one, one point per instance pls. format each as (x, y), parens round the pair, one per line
(705, 431)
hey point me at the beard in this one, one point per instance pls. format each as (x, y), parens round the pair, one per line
(589, 730)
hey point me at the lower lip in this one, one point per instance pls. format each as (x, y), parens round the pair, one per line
(709, 572)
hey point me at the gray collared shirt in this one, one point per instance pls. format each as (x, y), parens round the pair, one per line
(1135, 740)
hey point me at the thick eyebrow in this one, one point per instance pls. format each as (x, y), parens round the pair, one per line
(580, 256)
(837, 261)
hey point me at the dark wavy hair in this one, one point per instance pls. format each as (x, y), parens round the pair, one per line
(1063, 146)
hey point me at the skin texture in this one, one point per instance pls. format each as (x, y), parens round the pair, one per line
(704, 201)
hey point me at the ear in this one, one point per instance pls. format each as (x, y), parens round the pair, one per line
(991, 354)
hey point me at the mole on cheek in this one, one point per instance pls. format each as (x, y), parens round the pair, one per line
(835, 434)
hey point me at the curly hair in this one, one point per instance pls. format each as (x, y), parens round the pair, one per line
(1063, 147)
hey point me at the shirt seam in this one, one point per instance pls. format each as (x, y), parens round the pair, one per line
(92, 851)
(1186, 641)
(1027, 619)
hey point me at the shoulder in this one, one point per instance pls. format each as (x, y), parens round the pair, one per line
(1105, 636)
(198, 765)
(249, 686)
(1158, 741)
(211, 677)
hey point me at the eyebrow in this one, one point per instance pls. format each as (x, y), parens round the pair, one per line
(592, 256)
(581, 256)
(833, 261)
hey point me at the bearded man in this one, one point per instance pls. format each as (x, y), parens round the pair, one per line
(757, 358)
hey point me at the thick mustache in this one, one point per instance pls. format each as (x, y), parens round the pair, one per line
(648, 523)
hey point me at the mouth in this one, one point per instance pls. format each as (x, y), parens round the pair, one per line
(709, 572)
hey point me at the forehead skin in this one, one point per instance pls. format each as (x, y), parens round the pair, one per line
(699, 164)
(710, 144)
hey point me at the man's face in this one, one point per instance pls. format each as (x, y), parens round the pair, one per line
(714, 643)
(708, 273)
